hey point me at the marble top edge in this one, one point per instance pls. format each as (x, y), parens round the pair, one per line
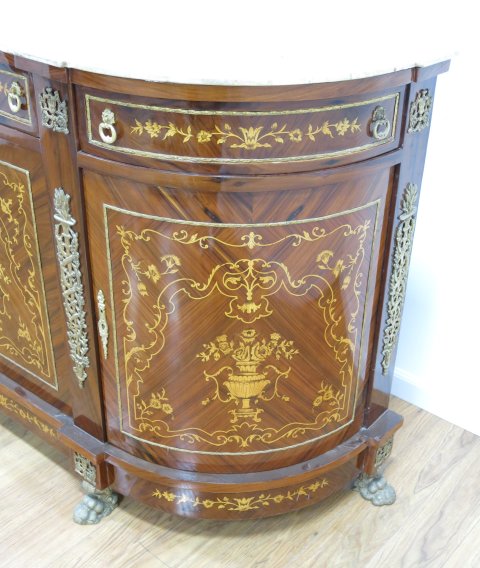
(146, 72)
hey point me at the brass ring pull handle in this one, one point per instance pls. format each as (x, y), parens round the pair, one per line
(13, 97)
(106, 128)
(380, 125)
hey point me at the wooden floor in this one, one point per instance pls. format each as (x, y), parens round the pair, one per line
(435, 522)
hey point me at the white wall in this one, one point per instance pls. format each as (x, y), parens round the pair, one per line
(437, 365)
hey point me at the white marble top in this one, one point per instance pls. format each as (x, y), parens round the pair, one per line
(252, 42)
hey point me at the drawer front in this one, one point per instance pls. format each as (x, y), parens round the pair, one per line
(348, 131)
(15, 101)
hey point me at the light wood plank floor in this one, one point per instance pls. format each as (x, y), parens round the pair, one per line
(435, 522)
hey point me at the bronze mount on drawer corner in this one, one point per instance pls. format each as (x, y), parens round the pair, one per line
(54, 111)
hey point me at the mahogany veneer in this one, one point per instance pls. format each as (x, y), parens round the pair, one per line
(201, 287)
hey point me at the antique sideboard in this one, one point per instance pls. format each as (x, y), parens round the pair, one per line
(201, 286)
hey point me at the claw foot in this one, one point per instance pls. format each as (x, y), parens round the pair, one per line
(375, 489)
(95, 505)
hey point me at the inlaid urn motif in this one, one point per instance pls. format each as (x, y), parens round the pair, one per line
(253, 375)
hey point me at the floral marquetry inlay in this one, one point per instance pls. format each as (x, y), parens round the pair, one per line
(26, 416)
(249, 138)
(24, 327)
(241, 135)
(158, 401)
(251, 367)
(253, 374)
(242, 504)
(164, 131)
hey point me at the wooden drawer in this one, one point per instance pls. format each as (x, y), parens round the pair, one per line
(16, 103)
(316, 133)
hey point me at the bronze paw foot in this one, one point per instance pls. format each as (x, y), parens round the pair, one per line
(375, 489)
(95, 505)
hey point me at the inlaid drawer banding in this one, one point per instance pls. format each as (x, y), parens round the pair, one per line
(239, 137)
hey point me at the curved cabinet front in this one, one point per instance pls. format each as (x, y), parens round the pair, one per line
(239, 321)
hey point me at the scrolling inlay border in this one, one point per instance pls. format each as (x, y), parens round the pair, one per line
(246, 137)
(242, 504)
(32, 248)
(27, 416)
(375, 203)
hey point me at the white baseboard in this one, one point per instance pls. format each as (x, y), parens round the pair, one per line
(436, 400)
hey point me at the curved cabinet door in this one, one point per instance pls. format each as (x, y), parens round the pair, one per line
(236, 323)
(32, 348)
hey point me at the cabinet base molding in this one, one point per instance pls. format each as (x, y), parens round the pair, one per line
(202, 495)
